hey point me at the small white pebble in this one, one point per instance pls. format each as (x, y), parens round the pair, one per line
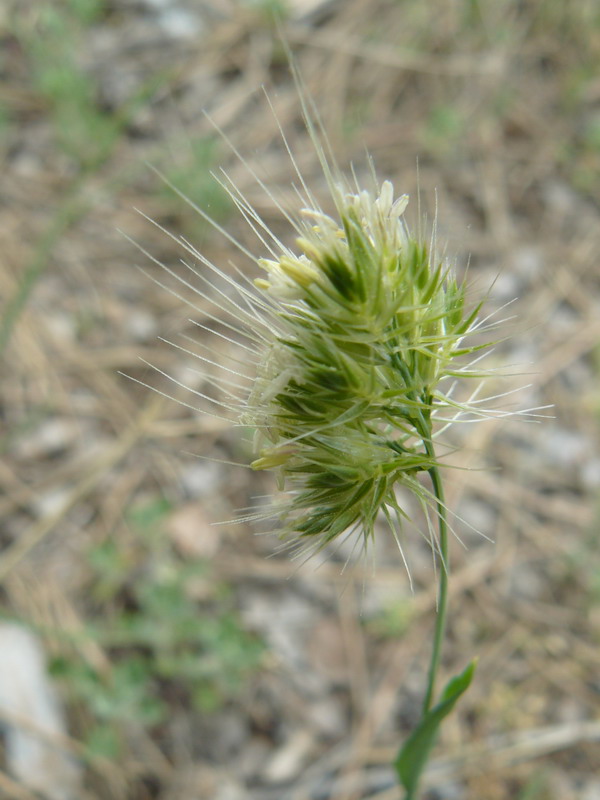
(48, 438)
(590, 474)
(26, 695)
(141, 325)
(179, 23)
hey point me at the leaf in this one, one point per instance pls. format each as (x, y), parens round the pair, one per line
(414, 753)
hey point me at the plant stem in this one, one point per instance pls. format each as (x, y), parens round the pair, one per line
(422, 423)
(442, 601)
(416, 749)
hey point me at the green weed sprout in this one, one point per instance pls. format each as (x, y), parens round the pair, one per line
(346, 361)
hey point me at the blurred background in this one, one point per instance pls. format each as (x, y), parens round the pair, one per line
(147, 653)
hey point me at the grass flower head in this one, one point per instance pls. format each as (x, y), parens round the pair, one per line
(357, 334)
(367, 325)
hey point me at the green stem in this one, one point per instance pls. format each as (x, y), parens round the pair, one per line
(442, 601)
(422, 422)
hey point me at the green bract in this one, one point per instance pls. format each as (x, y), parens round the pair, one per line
(367, 324)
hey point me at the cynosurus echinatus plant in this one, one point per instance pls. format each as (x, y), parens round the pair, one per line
(368, 327)
(351, 345)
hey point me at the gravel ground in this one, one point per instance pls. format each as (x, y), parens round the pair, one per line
(195, 660)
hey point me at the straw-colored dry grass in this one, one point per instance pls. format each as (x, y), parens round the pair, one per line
(309, 676)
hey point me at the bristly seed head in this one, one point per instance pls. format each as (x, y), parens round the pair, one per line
(356, 338)
(368, 324)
